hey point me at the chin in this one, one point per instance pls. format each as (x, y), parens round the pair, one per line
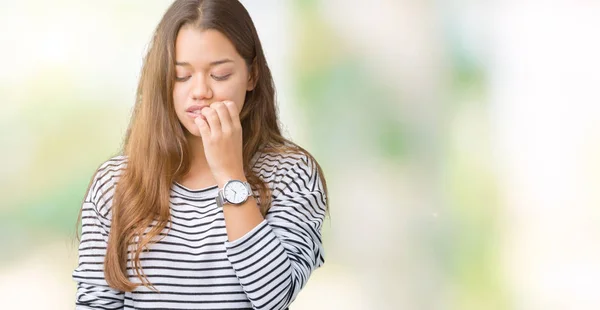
(194, 132)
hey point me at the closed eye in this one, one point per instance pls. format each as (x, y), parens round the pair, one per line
(182, 79)
(220, 77)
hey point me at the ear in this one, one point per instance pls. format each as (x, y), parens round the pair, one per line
(252, 76)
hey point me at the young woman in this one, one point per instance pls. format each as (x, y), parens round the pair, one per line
(208, 207)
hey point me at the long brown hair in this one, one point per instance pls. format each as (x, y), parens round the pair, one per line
(155, 143)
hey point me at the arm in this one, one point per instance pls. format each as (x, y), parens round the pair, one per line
(272, 257)
(274, 260)
(92, 290)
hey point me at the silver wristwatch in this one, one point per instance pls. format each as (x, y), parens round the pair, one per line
(234, 192)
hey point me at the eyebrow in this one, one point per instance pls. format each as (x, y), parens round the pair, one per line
(214, 63)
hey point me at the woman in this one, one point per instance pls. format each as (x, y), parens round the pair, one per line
(208, 207)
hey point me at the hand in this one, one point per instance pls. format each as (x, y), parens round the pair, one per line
(221, 134)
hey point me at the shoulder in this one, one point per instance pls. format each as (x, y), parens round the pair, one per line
(103, 183)
(282, 166)
(281, 159)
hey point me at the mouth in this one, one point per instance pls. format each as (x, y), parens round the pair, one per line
(194, 111)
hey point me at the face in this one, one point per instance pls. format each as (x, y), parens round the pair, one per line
(208, 70)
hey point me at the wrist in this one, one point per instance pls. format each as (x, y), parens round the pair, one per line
(235, 192)
(226, 177)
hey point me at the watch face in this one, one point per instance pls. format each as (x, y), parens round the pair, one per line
(235, 192)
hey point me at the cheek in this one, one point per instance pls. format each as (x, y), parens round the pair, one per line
(179, 95)
(234, 90)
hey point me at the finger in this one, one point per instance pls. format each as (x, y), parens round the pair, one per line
(224, 117)
(234, 114)
(203, 126)
(213, 120)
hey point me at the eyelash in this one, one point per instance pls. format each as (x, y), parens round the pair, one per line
(217, 78)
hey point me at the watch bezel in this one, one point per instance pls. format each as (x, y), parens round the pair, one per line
(229, 183)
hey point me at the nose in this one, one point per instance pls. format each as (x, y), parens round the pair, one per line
(201, 90)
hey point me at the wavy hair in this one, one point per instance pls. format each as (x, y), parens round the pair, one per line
(155, 143)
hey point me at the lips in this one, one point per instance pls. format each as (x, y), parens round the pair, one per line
(194, 111)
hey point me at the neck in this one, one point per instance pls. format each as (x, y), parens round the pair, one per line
(199, 173)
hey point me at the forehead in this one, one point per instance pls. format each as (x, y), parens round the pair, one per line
(200, 47)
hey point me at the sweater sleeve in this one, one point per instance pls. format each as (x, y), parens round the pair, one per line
(274, 260)
(93, 291)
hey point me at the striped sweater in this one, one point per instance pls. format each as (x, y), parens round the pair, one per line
(194, 266)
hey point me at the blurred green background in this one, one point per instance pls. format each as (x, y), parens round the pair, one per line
(460, 141)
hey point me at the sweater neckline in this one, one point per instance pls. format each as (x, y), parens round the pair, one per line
(201, 192)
